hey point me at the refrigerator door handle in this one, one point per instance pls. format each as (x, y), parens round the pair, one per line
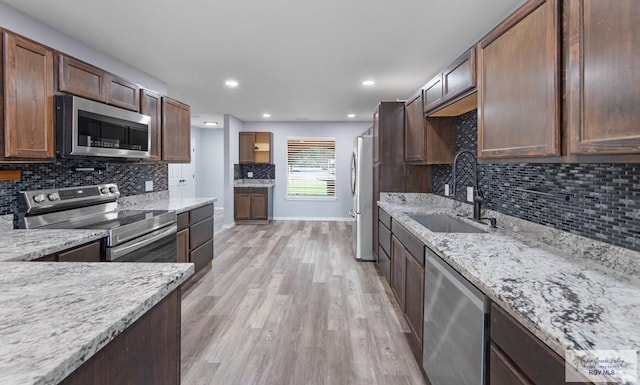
(354, 174)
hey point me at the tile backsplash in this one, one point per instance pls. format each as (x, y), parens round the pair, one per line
(129, 177)
(260, 171)
(599, 201)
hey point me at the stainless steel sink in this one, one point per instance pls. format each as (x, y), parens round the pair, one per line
(440, 223)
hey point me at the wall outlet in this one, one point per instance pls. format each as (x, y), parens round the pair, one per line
(446, 190)
(148, 185)
(249, 174)
(469, 194)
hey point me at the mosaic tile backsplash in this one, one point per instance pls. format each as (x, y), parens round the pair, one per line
(129, 177)
(260, 171)
(599, 201)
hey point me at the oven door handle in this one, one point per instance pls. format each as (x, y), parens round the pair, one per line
(120, 251)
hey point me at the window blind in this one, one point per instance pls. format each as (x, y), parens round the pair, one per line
(311, 167)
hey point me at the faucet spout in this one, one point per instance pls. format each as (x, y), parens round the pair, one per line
(477, 197)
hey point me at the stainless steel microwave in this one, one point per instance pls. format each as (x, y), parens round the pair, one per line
(88, 128)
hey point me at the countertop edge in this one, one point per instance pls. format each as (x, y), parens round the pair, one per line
(61, 246)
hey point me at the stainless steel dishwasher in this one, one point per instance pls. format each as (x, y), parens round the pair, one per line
(455, 319)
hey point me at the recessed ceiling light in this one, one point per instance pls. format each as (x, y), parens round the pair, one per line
(231, 83)
(266, 115)
(351, 116)
(368, 83)
(210, 123)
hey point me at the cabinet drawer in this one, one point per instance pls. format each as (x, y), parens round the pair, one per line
(534, 358)
(384, 237)
(196, 215)
(243, 190)
(183, 221)
(87, 253)
(384, 264)
(384, 217)
(200, 233)
(411, 243)
(201, 256)
(502, 372)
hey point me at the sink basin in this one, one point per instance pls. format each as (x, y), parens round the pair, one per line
(440, 223)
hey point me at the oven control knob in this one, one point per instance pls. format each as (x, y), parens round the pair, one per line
(39, 198)
(113, 189)
(53, 196)
(104, 190)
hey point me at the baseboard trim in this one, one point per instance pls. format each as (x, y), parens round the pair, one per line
(319, 219)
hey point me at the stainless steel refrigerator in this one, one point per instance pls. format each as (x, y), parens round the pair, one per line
(362, 194)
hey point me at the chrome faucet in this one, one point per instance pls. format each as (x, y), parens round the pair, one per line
(477, 196)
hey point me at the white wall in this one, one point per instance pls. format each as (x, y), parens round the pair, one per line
(210, 163)
(20, 23)
(343, 132)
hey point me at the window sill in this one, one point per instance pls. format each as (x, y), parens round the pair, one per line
(310, 198)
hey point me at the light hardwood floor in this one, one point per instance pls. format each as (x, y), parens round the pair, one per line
(287, 303)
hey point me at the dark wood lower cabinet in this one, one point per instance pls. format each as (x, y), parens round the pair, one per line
(414, 302)
(147, 352)
(252, 204)
(90, 252)
(518, 355)
(195, 236)
(384, 264)
(397, 270)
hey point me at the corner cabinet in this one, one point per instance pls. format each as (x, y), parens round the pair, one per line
(519, 84)
(427, 140)
(603, 96)
(176, 131)
(255, 147)
(28, 110)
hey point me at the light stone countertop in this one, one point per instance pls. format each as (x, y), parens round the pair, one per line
(179, 205)
(27, 245)
(569, 301)
(254, 183)
(55, 316)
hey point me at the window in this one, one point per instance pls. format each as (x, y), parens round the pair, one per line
(311, 167)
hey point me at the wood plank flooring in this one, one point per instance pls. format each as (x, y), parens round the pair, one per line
(286, 303)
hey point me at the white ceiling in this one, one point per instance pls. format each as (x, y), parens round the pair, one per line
(295, 59)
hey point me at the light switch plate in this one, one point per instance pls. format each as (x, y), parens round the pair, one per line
(446, 190)
(148, 185)
(469, 194)
(249, 174)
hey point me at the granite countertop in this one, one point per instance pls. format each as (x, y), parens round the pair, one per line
(254, 183)
(55, 316)
(27, 245)
(179, 205)
(568, 301)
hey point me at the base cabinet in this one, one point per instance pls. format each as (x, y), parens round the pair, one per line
(253, 204)
(195, 237)
(147, 352)
(90, 252)
(518, 357)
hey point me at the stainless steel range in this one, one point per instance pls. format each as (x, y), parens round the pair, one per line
(133, 235)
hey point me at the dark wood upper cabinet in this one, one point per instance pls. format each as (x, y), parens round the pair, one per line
(427, 140)
(433, 93)
(151, 105)
(123, 93)
(602, 78)
(460, 76)
(255, 147)
(246, 140)
(28, 121)
(79, 78)
(176, 131)
(519, 84)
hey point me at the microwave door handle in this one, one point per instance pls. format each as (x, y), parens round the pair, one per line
(120, 251)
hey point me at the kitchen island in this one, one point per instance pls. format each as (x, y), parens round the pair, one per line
(57, 319)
